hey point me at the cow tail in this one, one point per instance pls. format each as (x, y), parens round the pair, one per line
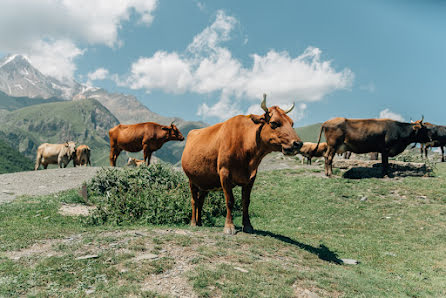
(319, 140)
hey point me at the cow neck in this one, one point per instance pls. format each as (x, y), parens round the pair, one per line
(261, 149)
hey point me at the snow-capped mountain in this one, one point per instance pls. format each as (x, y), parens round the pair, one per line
(18, 77)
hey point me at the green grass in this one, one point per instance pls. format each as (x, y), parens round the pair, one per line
(304, 225)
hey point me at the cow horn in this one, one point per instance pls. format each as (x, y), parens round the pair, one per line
(422, 118)
(171, 123)
(263, 104)
(290, 109)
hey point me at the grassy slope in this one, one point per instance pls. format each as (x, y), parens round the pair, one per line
(305, 223)
(11, 103)
(12, 161)
(310, 133)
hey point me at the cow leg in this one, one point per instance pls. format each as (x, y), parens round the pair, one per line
(45, 165)
(329, 161)
(229, 196)
(147, 156)
(114, 153)
(309, 161)
(246, 199)
(422, 150)
(442, 153)
(194, 203)
(199, 206)
(385, 163)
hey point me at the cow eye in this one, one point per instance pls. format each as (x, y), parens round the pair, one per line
(274, 125)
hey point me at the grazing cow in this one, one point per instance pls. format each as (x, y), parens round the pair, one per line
(82, 156)
(133, 162)
(148, 136)
(308, 150)
(228, 154)
(437, 138)
(60, 154)
(389, 137)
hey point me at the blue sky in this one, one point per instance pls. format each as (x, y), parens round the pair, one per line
(209, 60)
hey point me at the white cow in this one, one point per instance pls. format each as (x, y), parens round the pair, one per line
(60, 154)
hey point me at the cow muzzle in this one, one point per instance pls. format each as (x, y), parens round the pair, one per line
(293, 149)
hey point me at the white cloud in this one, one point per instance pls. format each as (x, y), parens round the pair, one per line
(386, 113)
(99, 74)
(95, 22)
(55, 58)
(40, 29)
(166, 71)
(207, 67)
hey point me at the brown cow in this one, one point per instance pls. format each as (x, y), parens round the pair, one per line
(60, 154)
(308, 150)
(228, 154)
(387, 136)
(147, 136)
(82, 156)
(133, 162)
(437, 138)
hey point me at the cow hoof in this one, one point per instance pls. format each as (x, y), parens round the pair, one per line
(229, 230)
(248, 229)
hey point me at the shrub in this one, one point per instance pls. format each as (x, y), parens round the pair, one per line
(157, 194)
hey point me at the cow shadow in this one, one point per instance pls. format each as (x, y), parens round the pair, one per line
(323, 252)
(395, 170)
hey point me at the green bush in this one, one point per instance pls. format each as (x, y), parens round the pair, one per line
(157, 194)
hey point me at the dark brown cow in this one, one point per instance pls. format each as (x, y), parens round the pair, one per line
(389, 137)
(228, 154)
(308, 150)
(148, 136)
(437, 138)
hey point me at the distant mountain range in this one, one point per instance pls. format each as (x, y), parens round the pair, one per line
(36, 108)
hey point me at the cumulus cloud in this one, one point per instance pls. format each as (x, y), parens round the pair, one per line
(29, 26)
(206, 67)
(55, 58)
(386, 113)
(99, 74)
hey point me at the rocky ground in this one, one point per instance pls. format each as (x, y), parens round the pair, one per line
(43, 182)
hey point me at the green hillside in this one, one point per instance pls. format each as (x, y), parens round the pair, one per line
(84, 121)
(172, 151)
(12, 161)
(11, 103)
(310, 133)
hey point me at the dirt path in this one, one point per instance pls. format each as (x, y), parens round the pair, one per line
(43, 182)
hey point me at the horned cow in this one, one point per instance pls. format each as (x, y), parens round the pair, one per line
(228, 154)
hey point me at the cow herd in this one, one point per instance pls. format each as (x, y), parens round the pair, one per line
(62, 154)
(228, 154)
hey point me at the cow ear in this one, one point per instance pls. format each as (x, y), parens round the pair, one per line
(165, 128)
(257, 119)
